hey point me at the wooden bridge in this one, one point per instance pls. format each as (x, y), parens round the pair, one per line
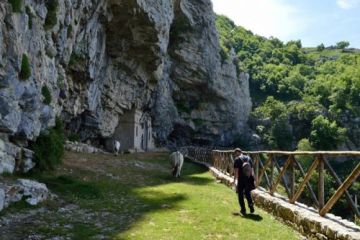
(286, 165)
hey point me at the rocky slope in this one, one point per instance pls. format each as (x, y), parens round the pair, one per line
(102, 58)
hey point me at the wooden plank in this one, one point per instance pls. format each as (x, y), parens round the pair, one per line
(281, 174)
(352, 177)
(352, 204)
(312, 193)
(321, 182)
(272, 164)
(284, 180)
(325, 153)
(292, 178)
(266, 176)
(257, 167)
(263, 170)
(306, 179)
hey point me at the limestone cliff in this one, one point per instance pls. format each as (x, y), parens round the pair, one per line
(102, 58)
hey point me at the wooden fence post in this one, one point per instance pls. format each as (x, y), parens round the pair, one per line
(292, 178)
(321, 182)
(272, 174)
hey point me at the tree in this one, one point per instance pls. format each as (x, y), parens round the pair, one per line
(326, 135)
(342, 44)
(320, 48)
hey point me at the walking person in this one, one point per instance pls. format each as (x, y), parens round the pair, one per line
(244, 174)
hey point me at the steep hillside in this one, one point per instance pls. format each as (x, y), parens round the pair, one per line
(90, 61)
(305, 98)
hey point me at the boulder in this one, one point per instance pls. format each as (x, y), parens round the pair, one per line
(34, 192)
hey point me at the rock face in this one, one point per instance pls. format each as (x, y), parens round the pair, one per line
(31, 191)
(105, 57)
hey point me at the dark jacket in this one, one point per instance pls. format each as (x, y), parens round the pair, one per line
(243, 181)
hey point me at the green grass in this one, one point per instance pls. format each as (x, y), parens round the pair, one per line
(142, 201)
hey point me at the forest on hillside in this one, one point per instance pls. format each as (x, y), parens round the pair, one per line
(304, 98)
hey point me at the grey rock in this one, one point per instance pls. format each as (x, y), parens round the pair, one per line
(2, 199)
(33, 191)
(7, 162)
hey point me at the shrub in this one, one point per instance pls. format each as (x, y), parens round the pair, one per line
(76, 61)
(51, 16)
(16, 5)
(69, 31)
(326, 135)
(25, 71)
(304, 145)
(49, 147)
(30, 15)
(46, 94)
(74, 137)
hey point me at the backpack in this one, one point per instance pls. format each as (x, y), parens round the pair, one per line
(246, 166)
(246, 169)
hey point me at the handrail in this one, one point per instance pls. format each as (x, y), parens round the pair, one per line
(223, 160)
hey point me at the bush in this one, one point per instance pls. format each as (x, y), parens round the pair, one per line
(326, 135)
(51, 16)
(25, 71)
(49, 148)
(74, 137)
(16, 5)
(69, 31)
(320, 48)
(46, 94)
(30, 15)
(304, 145)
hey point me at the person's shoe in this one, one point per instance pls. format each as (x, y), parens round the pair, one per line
(243, 212)
(252, 210)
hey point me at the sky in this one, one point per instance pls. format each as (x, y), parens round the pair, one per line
(312, 21)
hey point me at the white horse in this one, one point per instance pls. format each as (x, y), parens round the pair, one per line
(176, 161)
(117, 146)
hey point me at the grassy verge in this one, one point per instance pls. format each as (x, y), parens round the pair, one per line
(134, 197)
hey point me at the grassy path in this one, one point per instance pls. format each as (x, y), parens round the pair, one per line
(133, 197)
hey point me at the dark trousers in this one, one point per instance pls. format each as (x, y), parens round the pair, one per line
(241, 191)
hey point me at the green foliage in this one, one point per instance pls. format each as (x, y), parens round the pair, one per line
(51, 16)
(16, 5)
(74, 137)
(69, 31)
(25, 71)
(326, 135)
(305, 145)
(320, 48)
(272, 109)
(46, 95)
(49, 147)
(76, 61)
(303, 83)
(357, 221)
(30, 15)
(342, 44)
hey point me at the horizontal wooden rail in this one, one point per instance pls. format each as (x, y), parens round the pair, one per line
(287, 168)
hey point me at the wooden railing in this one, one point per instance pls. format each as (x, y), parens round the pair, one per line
(287, 165)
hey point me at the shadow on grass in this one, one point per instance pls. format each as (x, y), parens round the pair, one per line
(254, 217)
(125, 202)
